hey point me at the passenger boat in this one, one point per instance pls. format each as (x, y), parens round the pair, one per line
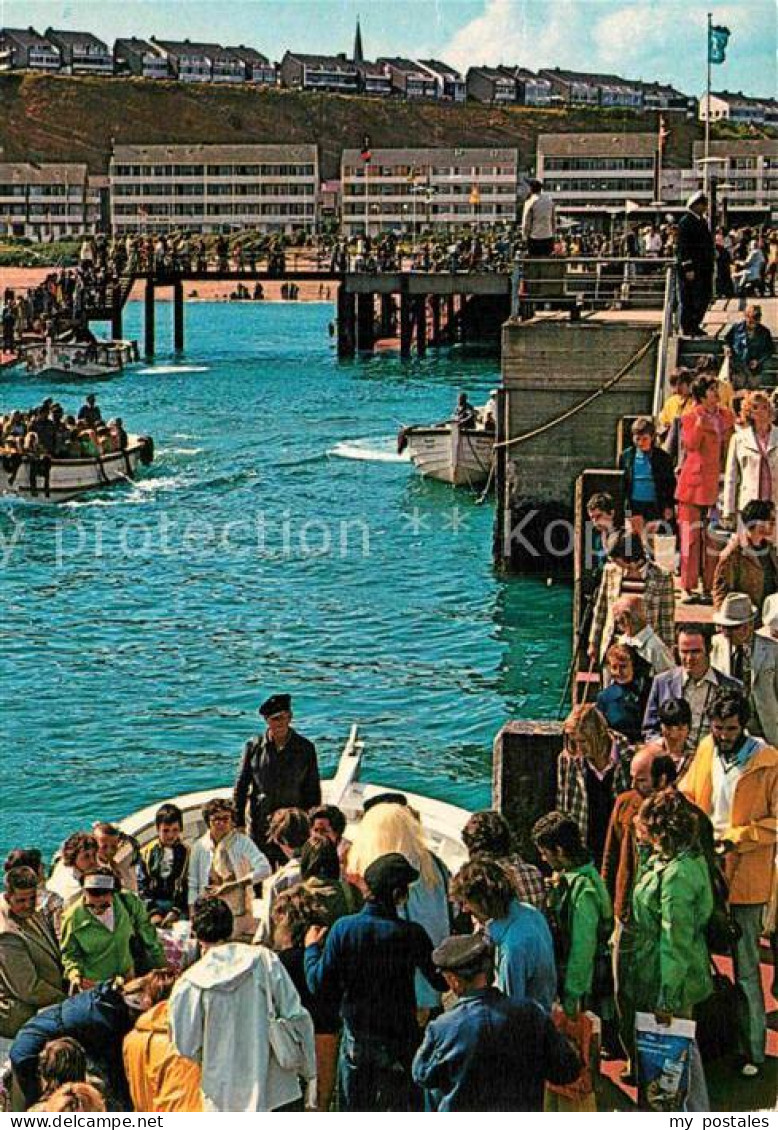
(449, 452)
(58, 480)
(442, 822)
(67, 360)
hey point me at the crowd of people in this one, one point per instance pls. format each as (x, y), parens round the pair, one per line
(48, 431)
(367, 975)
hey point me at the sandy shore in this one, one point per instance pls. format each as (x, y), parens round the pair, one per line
(20, 278)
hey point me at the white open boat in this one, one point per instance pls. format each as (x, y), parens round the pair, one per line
(61, 360)
(449, 452)
(58, 480)
(442, 822)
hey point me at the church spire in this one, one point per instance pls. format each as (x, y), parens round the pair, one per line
(359, 56)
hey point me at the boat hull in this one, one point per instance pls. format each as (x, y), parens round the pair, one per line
(69, 478)
(461, 457)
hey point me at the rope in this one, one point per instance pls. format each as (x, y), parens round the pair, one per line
(633, 361)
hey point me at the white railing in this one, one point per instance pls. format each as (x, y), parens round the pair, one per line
(668, 317)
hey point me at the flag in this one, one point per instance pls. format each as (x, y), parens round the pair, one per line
(664, 133)
(365, 152)
(718, 37)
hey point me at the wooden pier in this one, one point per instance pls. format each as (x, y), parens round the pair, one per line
(418, 309)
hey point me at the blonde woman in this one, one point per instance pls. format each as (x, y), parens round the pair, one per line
(393, 827)
(752, 462)
(592, 769)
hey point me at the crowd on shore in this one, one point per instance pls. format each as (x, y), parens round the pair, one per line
(746, 261)
(370, 977)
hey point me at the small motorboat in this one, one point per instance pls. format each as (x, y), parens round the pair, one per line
(450, 452)
(68, 360)
(58, 480)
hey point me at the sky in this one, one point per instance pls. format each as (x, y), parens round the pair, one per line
(648, 39)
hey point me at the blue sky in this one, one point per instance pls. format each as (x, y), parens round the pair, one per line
(662, 39)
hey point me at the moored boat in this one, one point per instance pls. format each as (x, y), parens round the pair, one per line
(58, 480)
(67, 360)
(450, 452)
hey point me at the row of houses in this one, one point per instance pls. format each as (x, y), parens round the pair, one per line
(271, 188)
(81, 53)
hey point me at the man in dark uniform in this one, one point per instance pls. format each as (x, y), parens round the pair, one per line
(696, 259)
(278, 770)
(487, 1052)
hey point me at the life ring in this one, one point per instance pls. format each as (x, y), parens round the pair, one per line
(146, 450)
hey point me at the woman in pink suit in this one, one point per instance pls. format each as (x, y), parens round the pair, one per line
(705, 435)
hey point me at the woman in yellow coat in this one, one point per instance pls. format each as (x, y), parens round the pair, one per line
(159, 1078)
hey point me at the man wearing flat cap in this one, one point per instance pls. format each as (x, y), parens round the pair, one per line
(367, 965)
(696, 257)
(488, 1052)
(278, 770)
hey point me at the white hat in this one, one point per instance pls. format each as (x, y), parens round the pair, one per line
(769, 616)
(696, 198)
(735, 611)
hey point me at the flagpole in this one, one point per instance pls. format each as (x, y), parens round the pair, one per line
(707, 110)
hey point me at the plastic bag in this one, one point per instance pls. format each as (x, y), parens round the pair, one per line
(663, 1061)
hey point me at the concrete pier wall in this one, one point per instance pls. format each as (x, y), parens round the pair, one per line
(549, 365)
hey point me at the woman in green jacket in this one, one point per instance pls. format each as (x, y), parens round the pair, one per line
(101, 930)
(581, 913)
(671, 904)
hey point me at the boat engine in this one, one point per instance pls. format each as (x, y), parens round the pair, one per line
(146, 450)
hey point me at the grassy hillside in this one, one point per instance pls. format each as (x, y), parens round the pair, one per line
(57, 118)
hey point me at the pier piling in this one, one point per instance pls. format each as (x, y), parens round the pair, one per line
(178, 317)
(406, 327)
(365, 326)
(346, 326)
(421, 325)
(148, 320)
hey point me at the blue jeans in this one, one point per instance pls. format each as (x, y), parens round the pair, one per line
(374, 1074)
(753, 1024)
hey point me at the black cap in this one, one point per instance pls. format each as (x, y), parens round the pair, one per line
(385, 798)
(462, 953)
(388, 872)
(276, 704)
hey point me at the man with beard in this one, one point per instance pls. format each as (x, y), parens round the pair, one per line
(734, 780)
(278, 770)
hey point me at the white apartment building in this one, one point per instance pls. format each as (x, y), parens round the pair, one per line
(739, 108)
(591, 174)
(746, 173)
(49, 201)
(213, 188)
(413, 189)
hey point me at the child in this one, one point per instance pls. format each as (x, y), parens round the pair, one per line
(649, 478)
(163, 869)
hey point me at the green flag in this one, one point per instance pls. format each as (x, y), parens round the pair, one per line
(718, 37)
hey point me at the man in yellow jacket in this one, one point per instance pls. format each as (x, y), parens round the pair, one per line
(734, 779)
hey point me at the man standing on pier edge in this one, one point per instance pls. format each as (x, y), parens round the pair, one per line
(695, 265)
(278, 770)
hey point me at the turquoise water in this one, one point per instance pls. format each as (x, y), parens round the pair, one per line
(141, 628)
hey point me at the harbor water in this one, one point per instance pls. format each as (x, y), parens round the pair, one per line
(276, 543)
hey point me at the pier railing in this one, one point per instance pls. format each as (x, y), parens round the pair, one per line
(669, 320)
(592, 283)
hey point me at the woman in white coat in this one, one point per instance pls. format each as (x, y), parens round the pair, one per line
(752, 462)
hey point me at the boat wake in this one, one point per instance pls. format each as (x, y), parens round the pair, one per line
(163, 370)
(180, 450)
(369, 450)
(140, 491)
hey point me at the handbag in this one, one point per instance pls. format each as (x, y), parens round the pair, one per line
(285, 1034)
(717, 1019)
(584, 1032)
